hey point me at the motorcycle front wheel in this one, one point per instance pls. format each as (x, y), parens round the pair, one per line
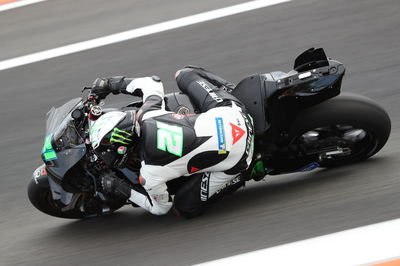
(40, 197)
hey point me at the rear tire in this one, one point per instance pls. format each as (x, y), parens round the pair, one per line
(349, 109)
(40, 197)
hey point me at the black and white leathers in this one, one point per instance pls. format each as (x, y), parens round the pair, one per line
(218, 142)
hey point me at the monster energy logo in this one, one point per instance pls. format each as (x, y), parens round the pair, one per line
(120, 136)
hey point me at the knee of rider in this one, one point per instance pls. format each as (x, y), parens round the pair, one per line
(182, 72)
(177, 73)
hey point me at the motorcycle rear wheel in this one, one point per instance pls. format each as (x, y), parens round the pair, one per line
(341, 118)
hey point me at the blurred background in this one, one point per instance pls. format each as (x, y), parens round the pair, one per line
(364, 35)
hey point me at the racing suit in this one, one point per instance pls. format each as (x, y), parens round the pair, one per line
(211, 148)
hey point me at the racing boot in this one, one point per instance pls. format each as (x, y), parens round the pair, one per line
(290, 159)
(115, 186)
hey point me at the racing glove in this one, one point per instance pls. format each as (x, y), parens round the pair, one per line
(145, 87)
(104, 86)
(141, 87)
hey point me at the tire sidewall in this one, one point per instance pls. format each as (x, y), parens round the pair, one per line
(354, 110)
(41, 198)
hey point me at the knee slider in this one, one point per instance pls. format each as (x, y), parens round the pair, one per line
(182, 72)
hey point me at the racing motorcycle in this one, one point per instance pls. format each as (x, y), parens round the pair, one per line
(301, 122)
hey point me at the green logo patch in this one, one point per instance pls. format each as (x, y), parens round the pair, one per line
(48, 152)
(120, 136)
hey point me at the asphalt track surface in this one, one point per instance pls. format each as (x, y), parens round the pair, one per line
(364, 35)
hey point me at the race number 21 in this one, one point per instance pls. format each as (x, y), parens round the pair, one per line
(170, 138)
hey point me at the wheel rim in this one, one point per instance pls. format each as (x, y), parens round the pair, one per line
(360, 140)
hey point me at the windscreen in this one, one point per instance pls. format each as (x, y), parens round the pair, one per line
(63, 146)
(56, 116)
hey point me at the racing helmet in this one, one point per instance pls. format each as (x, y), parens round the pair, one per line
(114, 136)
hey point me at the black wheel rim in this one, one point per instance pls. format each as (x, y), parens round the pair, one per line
(361, 141)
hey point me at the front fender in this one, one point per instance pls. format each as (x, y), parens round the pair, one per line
(44, 180)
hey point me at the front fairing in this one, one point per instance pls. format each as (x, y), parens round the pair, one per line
(63, 146)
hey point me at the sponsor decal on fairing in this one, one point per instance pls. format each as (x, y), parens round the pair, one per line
(120, 136)
(121, 150)
(49, 154)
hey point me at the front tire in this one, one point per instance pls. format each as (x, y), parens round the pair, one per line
(345, 112)
(40, 197)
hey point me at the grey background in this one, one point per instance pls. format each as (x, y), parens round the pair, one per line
(364, 35)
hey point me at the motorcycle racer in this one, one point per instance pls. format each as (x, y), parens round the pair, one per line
(211, 148)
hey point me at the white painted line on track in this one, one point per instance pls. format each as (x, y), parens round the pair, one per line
(139, 32)
(18, 4)
(360, 246)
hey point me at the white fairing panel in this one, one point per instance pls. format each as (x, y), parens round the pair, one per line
(103, 125)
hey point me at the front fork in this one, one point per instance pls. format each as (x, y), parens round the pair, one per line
(68, 201)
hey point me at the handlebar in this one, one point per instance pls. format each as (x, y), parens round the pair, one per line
(92, 102)
(86, 88)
